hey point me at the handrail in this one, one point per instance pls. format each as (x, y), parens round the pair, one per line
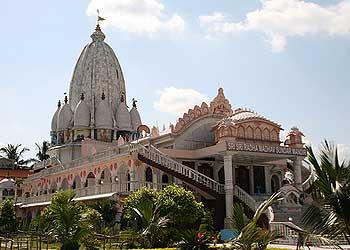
(246, 198)
(157, 156)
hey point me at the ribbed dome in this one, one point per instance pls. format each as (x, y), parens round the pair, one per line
(65, 117)
(104, 115)
(97, 71)
(241, 115)
(123, 118)
(135, 118)
(54, 118)
(82, 114)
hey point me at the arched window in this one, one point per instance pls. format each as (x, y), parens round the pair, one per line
(165, 178)
(249, 133)
(5, 192)
(274, 135)
(149, 175)
(266, 134)
(241, 132)
(257, 134)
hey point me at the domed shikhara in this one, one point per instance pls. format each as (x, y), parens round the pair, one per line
(123, 118)
(54, 118)
(135, 116)
(104, 115)
(65, 117)
(97, 71)
(82, 114)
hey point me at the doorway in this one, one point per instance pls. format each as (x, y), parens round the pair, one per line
(242, 178)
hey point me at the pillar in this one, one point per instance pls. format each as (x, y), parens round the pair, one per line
(251, 180)
(155, 180)
(132, 177)
(297, 172)
(228, 189)
(267, 180)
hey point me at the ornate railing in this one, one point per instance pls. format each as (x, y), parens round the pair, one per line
(98, 189)
(153, 154)
(246, 198)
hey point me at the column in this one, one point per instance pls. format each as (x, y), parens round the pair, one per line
(297, 172)
(267, 180)
(155, 180)
(251, 180)
(228, 189)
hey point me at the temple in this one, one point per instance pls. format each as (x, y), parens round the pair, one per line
(102, 150)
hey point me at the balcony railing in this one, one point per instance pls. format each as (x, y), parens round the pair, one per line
(100, 189)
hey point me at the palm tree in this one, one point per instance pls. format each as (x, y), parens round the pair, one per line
(71, 222)
(15, 153)
(151, 222)
(42, 151)
(329, 213)
(251, 236)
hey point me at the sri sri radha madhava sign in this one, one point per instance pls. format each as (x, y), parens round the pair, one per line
(250, 147)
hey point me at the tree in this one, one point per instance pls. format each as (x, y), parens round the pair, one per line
(181, 206)
(70, 222)
(7, 216)
(42, 151)
(175, 203)
(108, 211)
(16, 154)
(329, 213)
(251, 236)
(151, 222)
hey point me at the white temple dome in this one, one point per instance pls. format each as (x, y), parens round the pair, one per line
(97, 70)
(54, 118)
(123, 117)
(65, 116)
(135, 116)
(104, 115)
(82, 114)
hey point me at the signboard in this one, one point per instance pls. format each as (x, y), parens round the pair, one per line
(250, 147)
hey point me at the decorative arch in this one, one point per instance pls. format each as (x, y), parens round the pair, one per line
(266, 134)
(148, 174)
(76, 182)
(165, 179)
(274, 135)
(90, 180)
(249, 133)
(258, 134)
(64, 184)
(53, 187)
(241, 132)
(106, 176)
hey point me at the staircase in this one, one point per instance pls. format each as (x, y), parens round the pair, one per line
(212, 190)
(153, 157)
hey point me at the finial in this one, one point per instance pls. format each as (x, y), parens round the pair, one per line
(59, 103)
(134, 101)
(98, 34)
(103, 95)
(65, 98)
(82, 97)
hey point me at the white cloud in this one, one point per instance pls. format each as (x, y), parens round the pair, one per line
(280, 19)
(137, 16)
(177, 101)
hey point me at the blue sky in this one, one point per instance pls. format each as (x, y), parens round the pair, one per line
(286, 59)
